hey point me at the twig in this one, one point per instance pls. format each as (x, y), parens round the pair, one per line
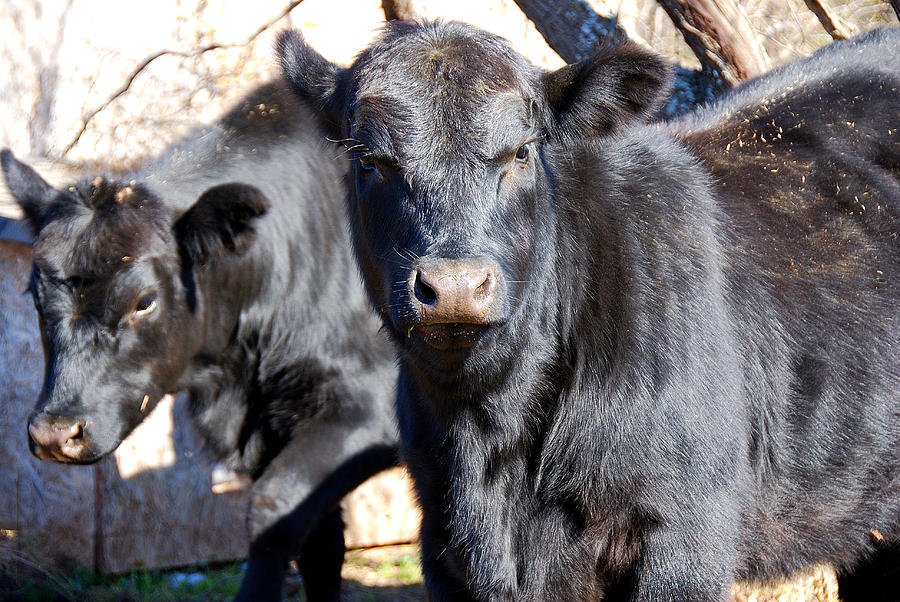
(85, 121)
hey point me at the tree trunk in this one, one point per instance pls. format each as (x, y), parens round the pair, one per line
(571, 27)
(574, 30)
(720, 35)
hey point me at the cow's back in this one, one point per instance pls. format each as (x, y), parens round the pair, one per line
(303, 312)
(806, 169)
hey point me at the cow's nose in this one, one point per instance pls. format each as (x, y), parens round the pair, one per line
(455, 290)
(59, 438)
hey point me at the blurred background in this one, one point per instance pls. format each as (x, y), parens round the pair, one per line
(109, 83)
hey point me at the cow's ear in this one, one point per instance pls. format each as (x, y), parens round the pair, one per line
(220, 222)
(313, 78)
(30, 191)
(619, 84)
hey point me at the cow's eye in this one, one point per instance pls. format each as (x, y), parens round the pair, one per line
(367, 163)
(146, 305)
(522, 153)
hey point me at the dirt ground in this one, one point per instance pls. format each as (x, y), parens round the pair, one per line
(393, 573)
(382, 574)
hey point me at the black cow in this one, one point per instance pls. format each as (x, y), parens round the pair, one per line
(222, 268)
(638, 360)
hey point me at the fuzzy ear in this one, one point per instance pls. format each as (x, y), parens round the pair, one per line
(312, 77)
(220, 222)
(30, 191)
(619, 84)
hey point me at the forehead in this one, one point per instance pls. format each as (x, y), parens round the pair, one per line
(443, 76)
(97, 228)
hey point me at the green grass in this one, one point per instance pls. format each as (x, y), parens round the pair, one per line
(212, 583)
(374, 575)
(404, 569)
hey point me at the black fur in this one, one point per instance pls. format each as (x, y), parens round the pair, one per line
(223, 268)
(690, 375)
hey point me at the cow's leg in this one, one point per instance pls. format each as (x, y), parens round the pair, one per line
(692, 560)
(302, 487)
(321, 558)
(876, 579)
(444, 578)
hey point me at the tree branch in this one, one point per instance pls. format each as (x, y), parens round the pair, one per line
(85, 120)
(399, 10)
(720, 35)
(836, 28)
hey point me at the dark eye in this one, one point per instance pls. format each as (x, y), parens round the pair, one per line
(146, 305)
(367, 163)
(522, 153)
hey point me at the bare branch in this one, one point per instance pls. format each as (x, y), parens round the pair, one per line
(720, 35)
(48, 79)
(85, 121)
(836, 28)
(399, 10)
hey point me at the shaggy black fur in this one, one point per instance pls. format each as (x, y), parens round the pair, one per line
(223, 268)
(691, 373)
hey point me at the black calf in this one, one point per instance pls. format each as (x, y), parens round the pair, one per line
(684, 370)
(223, 268)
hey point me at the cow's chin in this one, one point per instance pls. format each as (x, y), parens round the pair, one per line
(450, 337)
(86, 456)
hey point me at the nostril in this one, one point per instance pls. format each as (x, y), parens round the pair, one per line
(48, 435)
(485, 287)
(486, 292)
(424, 293)
(76, 431)
(71, 444)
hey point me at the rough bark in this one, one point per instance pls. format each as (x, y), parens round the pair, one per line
(573, 30)
(720, 35)
(571, 27)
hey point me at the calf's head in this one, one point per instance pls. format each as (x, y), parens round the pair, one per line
(450, 196)
(114, 283)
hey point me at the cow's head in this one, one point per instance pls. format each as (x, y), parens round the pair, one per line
(449, 194)
(114, 282)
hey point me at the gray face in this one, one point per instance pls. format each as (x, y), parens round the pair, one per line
(114, 322)
(115, 283)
